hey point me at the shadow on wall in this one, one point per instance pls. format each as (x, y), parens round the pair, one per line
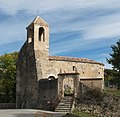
(26, 80)
(48, 91)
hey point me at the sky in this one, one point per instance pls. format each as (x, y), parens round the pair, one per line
(78, 28)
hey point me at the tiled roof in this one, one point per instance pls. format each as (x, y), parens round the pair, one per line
(71, 59)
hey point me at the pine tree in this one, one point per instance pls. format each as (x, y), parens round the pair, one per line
(115, 56)
(115, 59)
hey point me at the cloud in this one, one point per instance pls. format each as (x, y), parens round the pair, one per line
(105, 27)
(10, 47)
(76, 26)
(12, 7)
(11, 31)
(31, 6)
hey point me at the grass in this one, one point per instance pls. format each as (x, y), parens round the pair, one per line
(77, 113)
(112, 91)
(80, 114)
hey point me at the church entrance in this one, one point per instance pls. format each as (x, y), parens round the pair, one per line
(68, 84)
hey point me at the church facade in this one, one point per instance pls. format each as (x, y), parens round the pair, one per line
(42, 78)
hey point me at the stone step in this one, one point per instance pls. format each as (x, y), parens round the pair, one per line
(64, 105)
(62, 111)
(61, 104)
(63, 108)
(66, 99)
(64, 102)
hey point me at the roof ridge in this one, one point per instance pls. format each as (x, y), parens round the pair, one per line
(37, 18)
(66, 58)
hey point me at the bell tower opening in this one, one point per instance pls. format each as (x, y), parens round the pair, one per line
(30, 35)
(41, 34)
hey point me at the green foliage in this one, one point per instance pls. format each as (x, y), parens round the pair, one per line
(111, 78)
(115, 60)
(111, 91)
(68, 91)
(115, 56)
(77, 113)
(110, 74)
(71, 115)
(7, 77)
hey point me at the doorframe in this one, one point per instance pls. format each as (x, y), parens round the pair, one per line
(61, 78)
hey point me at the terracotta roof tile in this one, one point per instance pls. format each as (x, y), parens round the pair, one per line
(72, 59)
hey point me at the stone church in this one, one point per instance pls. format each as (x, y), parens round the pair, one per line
(43, 79)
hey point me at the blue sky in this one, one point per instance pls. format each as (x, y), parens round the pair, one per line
(78, 28)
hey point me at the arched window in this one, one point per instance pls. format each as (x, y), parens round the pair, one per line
(41, 34)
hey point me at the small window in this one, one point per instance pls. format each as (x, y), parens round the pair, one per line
(74, 68)
(41, 34)
(98, 72)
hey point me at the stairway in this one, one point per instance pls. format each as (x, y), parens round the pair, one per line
(65, 104)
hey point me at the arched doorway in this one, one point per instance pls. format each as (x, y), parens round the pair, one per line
(51, 78)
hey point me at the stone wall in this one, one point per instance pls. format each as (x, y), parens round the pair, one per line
(88, 84)
(107, 106)
(91, 75)
(7, 105)
(86, 70)
(26, 82)
(48, 91)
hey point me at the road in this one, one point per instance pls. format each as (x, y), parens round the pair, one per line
(29, 113)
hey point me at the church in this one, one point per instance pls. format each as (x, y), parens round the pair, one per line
(43, 80)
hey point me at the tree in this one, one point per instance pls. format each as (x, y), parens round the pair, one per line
(115, 59)
(115, 56)
(7, 77)
(110, 77)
